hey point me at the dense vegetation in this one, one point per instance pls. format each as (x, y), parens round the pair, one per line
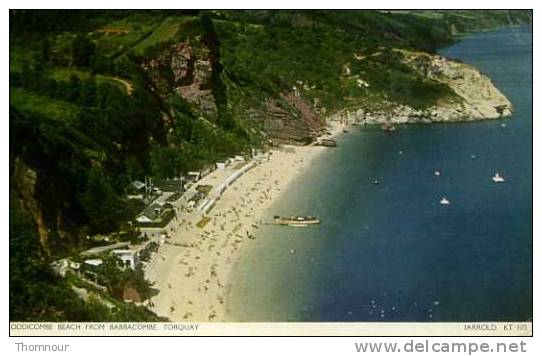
(37, 294)
(87, 118)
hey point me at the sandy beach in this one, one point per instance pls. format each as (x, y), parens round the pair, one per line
(191, 269)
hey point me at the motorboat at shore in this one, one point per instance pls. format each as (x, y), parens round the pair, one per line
(297, 221)
(327, 142)
(387, 127)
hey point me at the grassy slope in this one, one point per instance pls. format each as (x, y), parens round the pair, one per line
(165, 31)
(24, 100)
(64, 74)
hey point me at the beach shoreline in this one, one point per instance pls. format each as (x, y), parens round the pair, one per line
(192, 269)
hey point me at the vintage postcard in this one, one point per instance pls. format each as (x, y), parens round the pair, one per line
(270, 172)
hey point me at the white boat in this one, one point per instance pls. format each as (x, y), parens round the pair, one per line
(497, 178)
(437, 173)
(375, 182)
(297, 221)
(444, 201)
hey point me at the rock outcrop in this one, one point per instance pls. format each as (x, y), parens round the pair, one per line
(178, 69)
(289, 120)
(24, 181)
(478, 98)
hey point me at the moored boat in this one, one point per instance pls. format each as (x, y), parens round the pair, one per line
(497, 178)
(444, 201)
(328, 142)
(297, 221)
(387, 127)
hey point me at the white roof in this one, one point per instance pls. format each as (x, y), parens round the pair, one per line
(143, 219)
(138, 184)
(94, 262)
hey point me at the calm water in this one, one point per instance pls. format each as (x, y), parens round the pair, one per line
(391, 252)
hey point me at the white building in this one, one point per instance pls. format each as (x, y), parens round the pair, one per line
(129, 258)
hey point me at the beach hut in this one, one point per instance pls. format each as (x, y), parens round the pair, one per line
(194, 176)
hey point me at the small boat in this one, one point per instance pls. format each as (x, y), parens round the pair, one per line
(297, 221)
(375, 182)
(387, 127)
(444, 201)
(497, 178)
(437, 173)
(327, 142)
(503, 125)
(345, 130)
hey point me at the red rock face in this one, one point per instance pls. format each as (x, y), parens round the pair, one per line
(181, 61)
(291, 120)
(179, 70)
(313, 120)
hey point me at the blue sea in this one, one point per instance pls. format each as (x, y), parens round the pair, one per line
(391, 252)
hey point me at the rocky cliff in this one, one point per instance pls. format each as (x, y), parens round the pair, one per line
(185, 69)
(24, 181)
(476, 97)
(180, 70)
